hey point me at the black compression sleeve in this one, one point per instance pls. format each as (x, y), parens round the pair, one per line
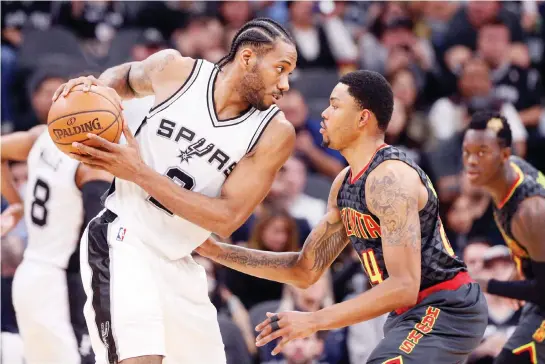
(528, 290)
(92, 191)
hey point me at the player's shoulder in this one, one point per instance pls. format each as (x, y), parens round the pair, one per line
(527, 222)
(391, 172)
(336, 187)
(169, 65)
(279, 134)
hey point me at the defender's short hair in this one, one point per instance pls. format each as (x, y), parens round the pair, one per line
(492, 120)
(373, 92)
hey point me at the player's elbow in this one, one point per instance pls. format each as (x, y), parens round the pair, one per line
(304, 277)
(225, 230)
(227, 225)
(408, 291)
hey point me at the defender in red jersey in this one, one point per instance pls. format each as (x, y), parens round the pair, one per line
(385, 205)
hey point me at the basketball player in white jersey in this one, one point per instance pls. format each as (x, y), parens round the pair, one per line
(62, 196)
(202, 160)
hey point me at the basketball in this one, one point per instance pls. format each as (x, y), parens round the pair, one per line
(71, 118)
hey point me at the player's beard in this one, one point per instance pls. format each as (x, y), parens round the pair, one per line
(252, 88)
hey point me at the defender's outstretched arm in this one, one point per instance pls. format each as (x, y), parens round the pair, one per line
(326, 241)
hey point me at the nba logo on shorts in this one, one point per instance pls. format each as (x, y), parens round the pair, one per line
(121, 234)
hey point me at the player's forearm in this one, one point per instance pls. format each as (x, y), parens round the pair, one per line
(118, 78)
(212, 214)
(8, 189)
(279, 267)
(386, 297)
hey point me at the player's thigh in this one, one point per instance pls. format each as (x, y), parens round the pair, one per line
(123, 311)
(527, 343)
(191, 325)
(430, 335)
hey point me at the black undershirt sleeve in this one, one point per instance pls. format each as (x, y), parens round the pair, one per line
(532, 290)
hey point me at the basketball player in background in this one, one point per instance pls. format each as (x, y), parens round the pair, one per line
(518, 193)
(209, 151)
(62, 196)
(385, 205)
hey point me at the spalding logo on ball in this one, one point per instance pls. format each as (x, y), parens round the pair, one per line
(72, 117)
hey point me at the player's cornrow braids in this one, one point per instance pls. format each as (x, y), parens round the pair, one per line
(257, 33)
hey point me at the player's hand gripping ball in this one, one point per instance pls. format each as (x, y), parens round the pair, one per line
(79, 109)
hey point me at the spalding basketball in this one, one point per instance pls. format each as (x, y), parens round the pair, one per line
(72, 117)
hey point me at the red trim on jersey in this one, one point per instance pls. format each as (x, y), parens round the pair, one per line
(451, 285)
(511, 191)
(352, 180)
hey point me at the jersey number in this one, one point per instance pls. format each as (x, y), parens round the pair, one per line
(38, 209)
(179, 177)
(370, 265)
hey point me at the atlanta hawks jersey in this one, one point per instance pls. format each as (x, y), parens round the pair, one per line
(439, 262)
(183, 139)
(530, 182)
(53, 204)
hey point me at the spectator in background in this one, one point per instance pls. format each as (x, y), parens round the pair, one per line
(399, 134)
(475, 92)
(324, 44)
(405, 91)
(92, 20)
(233, 15)
(309, 140)
(469, 19)
(288, 193)
(520, 86)
(473, 254)
(433, 19)
(41, 87)
(395, 46)
(203, 37)
(307, 350)
(16, 16)
(165, 16)
(312, 299)
(149, 42)
(274, 231)
(502, 315)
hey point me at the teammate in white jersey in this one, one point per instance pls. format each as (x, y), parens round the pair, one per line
(62, 196)
(202, 160)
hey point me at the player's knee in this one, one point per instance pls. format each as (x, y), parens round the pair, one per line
(146, 359)
(507, 357)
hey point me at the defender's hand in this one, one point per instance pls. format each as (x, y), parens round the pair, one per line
(287, 325)
(123, 161)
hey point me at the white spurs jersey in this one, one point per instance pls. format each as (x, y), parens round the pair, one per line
(183, 139)
(53, 204)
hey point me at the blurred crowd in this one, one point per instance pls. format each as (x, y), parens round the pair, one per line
(444, 60)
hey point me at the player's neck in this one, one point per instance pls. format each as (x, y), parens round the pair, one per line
(501, 185)
(227, 101)
(359, 154)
